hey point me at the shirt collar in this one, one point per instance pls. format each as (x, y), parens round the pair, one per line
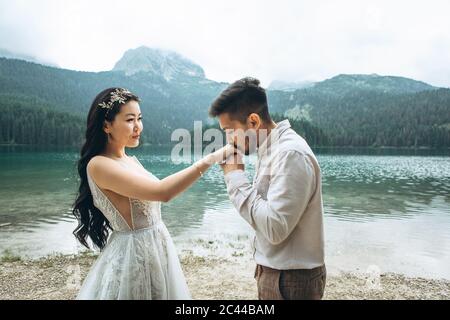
(273, 136)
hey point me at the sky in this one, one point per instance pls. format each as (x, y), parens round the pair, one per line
(270, 40)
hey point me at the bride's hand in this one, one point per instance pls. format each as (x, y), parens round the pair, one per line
(219, 156)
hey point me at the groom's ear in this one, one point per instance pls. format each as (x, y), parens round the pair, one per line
(254, 121)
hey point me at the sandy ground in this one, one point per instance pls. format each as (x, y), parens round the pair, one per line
(59, 277)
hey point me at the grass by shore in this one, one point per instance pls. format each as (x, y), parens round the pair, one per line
(59, 277)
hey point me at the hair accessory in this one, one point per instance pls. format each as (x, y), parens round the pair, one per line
(118, 95)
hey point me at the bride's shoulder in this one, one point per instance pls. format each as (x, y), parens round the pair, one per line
(101, 163)
(101, 168)
(98, 159)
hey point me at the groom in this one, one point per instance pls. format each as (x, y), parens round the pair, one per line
(284, 203)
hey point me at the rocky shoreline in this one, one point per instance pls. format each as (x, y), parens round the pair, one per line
(59, 277)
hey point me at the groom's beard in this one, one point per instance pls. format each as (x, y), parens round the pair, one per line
(243, 149)
(248, 150)
(250, 145)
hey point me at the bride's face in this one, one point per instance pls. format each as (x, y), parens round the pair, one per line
(127, 125)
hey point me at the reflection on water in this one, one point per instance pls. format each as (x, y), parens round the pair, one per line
(390, 209)
(361, 187)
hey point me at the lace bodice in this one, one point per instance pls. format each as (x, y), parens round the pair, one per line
(144, 213)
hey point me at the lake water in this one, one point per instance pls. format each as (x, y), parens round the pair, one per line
(384, 208)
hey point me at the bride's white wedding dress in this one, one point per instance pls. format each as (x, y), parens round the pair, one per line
(139, 261)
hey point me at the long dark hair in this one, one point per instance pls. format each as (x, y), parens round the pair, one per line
(91, 221)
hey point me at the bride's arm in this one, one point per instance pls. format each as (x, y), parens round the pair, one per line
(110, 175)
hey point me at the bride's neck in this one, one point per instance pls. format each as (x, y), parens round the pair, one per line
(114, 151)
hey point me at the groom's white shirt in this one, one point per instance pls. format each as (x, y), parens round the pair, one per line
(284, 203)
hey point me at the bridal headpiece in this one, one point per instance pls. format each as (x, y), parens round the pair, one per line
(120, 95)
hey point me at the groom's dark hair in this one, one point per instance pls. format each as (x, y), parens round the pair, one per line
(240, 99)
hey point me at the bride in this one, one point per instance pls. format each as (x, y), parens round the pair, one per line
(118, 207)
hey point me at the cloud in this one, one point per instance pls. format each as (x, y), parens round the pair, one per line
(284, 40)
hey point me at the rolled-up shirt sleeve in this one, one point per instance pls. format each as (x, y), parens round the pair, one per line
(292, 184)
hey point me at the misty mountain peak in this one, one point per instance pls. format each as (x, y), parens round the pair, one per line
(289, 86)
(19, 56)
(165, 63)
(389, 84)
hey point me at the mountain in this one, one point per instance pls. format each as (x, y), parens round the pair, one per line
(346, 110)
(346, 83)
(167, 105)
(371, 110)
(289, 86)
(168, 64)
(298, 103)
(13, 55)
